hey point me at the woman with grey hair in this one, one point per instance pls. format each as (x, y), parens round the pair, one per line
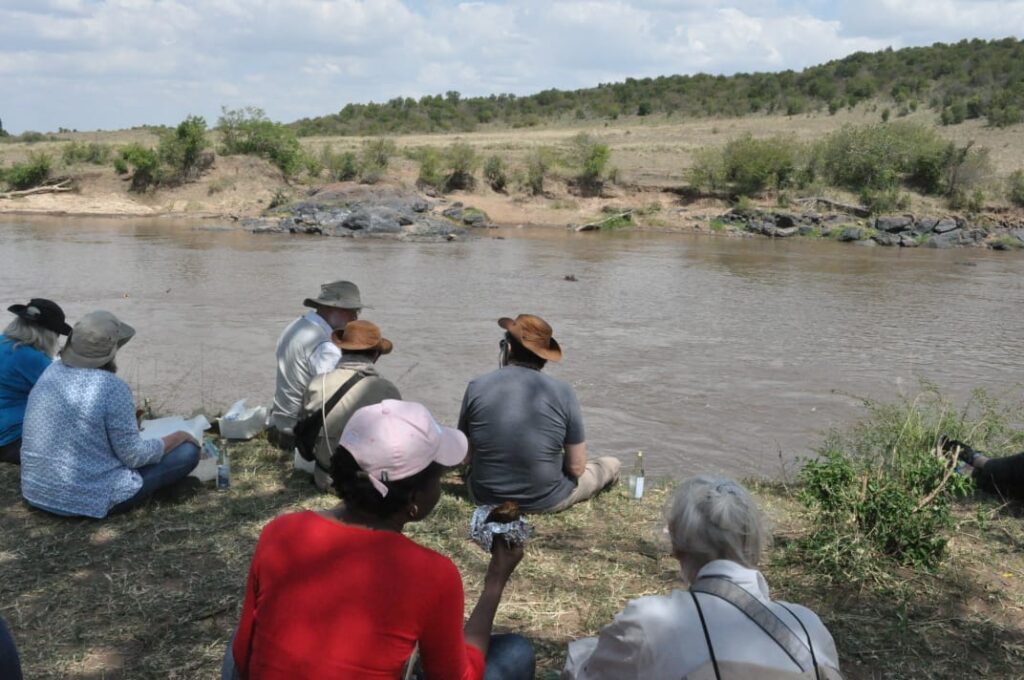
(725, 625)
(27, 348)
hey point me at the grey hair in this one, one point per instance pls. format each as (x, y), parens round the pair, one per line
(32, 335)
(714, 518)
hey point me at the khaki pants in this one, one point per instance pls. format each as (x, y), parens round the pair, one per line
(600, 473)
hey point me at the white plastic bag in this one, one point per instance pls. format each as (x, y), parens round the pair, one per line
(242, 423)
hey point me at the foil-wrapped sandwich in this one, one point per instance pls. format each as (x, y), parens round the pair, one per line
(505, 520)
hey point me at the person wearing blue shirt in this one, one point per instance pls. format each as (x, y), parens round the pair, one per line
(27, 348)
(81, 452)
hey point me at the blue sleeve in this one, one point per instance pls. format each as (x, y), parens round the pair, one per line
(30, 364)
(123, 429)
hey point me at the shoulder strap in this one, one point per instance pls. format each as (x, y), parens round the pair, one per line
(810, 643)
(707, 635)
(308, 428)
(760, 614)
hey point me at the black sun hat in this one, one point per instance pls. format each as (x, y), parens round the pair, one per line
(42, 312)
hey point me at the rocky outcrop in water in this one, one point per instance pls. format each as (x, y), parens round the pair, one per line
(904, 230)
(361, 211)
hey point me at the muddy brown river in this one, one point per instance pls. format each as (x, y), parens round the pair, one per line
(710, 354)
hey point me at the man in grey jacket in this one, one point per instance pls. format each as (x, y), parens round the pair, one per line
(305, 350)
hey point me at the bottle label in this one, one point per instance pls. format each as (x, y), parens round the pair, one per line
(638, 492)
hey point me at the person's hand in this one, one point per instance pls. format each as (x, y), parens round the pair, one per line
(504, 559)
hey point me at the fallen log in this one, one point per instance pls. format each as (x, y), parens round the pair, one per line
(57, 188)
(846, 207)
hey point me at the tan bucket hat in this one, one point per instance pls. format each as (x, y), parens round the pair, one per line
(533, 333)
(361, 336)
(95, 339)
(339, 294)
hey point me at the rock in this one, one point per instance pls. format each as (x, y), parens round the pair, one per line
(1019, 235)
(946, 240)
(805, 230)
(785, 220)
(926, 224)
(474, 219)
(868, 243)
(405, 220)
(587, 227)
(851, 234)
(894, 223)
(945, 225)
(783, 232)
(454, 212)
(908, 239)
(886, 239)
(419, 206)
(838, 217)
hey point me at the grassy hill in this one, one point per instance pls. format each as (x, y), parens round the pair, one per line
(966, 80)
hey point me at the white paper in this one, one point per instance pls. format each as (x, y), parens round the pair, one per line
(161, 427)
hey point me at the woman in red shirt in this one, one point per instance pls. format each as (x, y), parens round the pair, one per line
(343, 594)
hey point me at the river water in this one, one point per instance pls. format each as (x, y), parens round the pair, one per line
(709, 354)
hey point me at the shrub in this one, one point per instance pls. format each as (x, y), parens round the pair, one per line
(461, 162)
(495, 173)
(181, 148)
(249, 131)
(374, 158)
(430, 168)
(590, 157)
(120, 165)
(538, 163)
(884, 200)
(747, 165)
(1015, 188)
(31, 173)
(341, 166)
(145, 165)
(86, 152)
(707, 172)
(879, 494)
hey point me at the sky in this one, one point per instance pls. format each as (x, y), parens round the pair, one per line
(109, 64)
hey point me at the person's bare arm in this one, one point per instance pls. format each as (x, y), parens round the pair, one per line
(575, 459)
(504, 559)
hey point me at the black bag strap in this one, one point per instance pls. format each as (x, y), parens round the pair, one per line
(307, 429)
(759, 613)
(707, 635)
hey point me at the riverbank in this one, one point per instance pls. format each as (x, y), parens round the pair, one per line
(156, 593)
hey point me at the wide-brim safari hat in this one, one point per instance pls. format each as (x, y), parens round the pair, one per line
(533, 333)
(95, 340)
(339, 294)
(361, 336)
(42, 312)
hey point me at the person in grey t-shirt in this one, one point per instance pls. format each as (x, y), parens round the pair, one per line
(526, 440)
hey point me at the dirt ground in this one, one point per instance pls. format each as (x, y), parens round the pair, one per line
(156, 593)
(649, 155)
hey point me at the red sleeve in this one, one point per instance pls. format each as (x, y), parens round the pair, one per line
(442, 645)
(243, 636)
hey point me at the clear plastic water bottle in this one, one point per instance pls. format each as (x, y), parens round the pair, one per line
(636, 477)
(223, 469)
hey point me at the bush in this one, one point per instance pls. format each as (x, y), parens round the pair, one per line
(31, 173)
(880, 493)
(880, 201)
(374, 158)
(707, 172)
(145, 165)
(748, 165)
(342, 166)
(590, 158)
(495, 173)
(1015, 188)
(86, 152)
(249, 131)
(461, 162)
(181, 148)
(538, 163)
(430, 168)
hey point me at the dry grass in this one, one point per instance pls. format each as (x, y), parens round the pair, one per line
(155, 593)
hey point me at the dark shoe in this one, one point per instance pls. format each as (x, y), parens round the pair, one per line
(964, 452)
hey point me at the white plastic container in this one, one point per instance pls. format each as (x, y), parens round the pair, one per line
(242, 423)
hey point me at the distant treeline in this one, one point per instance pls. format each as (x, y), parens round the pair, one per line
(971, 79)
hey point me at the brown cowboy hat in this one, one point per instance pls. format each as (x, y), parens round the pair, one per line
(533, 333)
(361, 336)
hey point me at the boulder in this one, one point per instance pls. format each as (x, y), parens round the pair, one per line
(474, 219)
(867, 243)
(805, 230)
(945, 225)
(454, 212)
(1019, 235)
(894, 223)
(946, 240)
(851, 234)
(784, 232)
(419, 206)
(886, 239)
(926, 224)
(908, 239)
(785, 220)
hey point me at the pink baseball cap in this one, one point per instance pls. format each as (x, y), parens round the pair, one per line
(396, 439)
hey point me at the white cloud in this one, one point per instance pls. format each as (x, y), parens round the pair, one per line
(111, 63)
